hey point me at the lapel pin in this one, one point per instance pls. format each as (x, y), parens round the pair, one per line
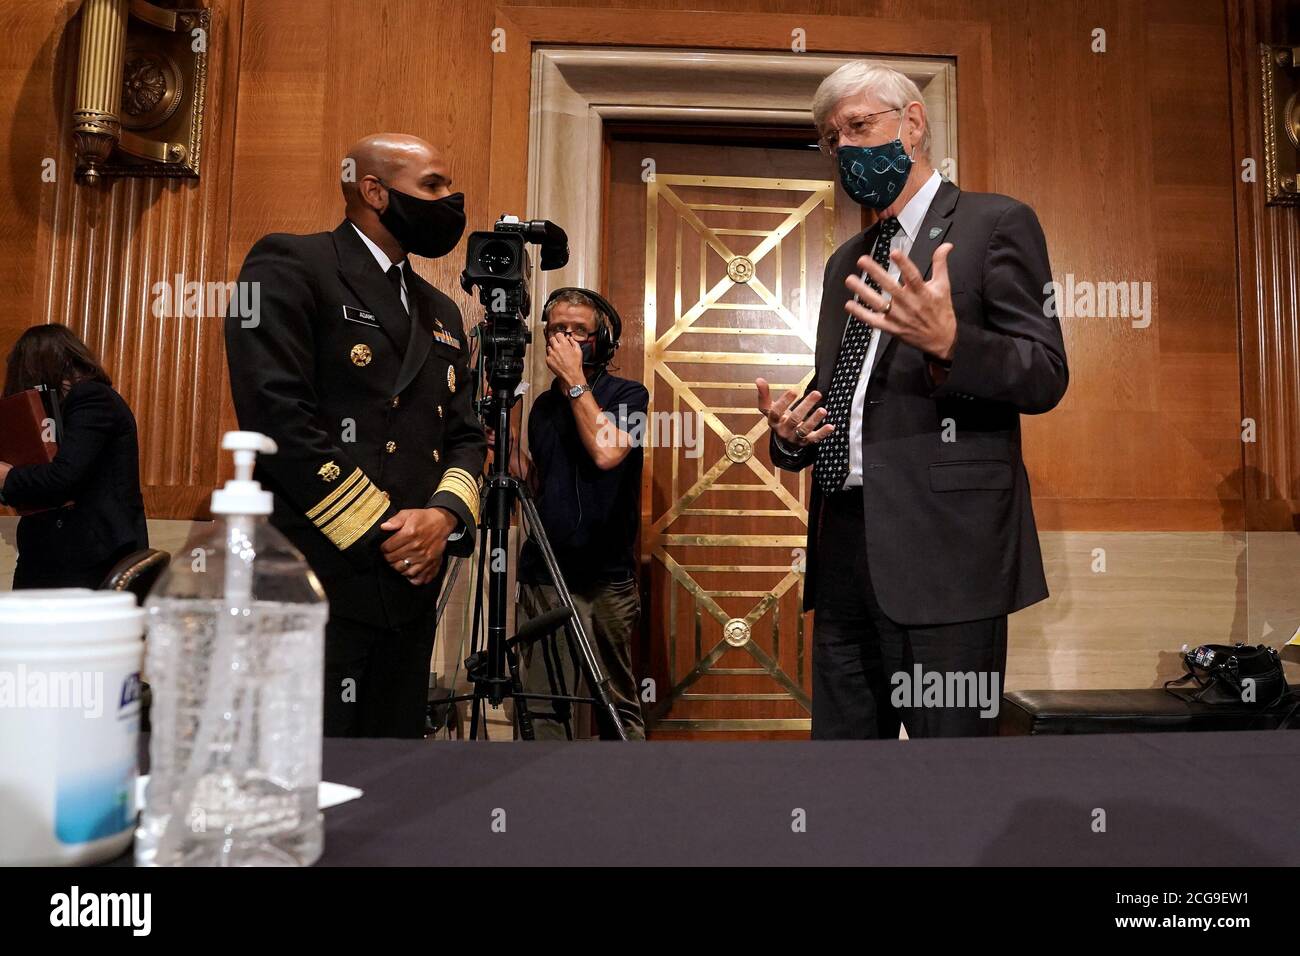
(935, 231)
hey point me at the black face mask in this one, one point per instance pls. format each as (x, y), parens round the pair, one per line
(424, 227)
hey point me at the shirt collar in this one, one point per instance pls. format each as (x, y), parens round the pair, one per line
(381, 257)
(913, 213)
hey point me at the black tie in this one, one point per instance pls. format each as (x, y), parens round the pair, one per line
(832, 465)
(395, 277)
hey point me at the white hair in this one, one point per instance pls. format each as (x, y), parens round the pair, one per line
(894, 89)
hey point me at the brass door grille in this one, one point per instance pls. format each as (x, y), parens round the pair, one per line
(792, 331)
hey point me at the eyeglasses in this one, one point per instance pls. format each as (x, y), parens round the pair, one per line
(577, 335)
(857, 127)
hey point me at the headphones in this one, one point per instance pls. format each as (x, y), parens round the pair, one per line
(606, 342)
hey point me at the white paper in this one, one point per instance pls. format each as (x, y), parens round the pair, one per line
(327, 794)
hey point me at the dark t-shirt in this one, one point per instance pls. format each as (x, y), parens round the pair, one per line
(591, 516)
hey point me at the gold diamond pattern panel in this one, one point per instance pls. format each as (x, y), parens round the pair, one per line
(723, 530)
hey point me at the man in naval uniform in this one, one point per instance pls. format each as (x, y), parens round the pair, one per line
(359, 370)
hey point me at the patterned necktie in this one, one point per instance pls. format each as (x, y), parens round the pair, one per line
(832, 465)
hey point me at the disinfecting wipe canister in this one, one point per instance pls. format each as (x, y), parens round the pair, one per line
(69, 721)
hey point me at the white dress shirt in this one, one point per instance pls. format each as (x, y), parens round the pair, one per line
(385, 263)
(909, 221)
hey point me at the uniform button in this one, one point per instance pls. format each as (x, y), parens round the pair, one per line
(59, 523)
(397, 400)
(391, 446)
(436, 456)
(440, 411)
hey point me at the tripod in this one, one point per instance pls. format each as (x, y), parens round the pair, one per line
(493, 670)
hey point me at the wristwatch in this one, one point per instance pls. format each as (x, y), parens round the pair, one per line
(577, 390)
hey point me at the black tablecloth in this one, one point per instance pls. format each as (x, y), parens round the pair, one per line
(1167, 799)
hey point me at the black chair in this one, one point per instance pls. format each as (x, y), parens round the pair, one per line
(137, 573)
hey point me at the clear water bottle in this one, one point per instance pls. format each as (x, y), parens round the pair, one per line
(234, 657)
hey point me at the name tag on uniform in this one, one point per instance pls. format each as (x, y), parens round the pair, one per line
(360, 316)
(446, 338)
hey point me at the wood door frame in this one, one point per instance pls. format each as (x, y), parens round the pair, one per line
(966, 42)
(563, 72)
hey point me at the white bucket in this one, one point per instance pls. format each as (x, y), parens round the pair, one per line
(69, 722)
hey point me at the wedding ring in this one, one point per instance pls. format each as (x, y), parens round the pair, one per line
(889, 304)
(406, 562)
(800, 434)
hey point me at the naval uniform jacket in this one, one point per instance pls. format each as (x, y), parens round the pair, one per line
(372, 411)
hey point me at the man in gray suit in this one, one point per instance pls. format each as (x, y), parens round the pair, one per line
(933, 339)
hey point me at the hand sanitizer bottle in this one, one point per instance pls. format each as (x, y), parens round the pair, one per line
(234, 656)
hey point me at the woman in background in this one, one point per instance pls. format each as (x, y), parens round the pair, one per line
(91, 489)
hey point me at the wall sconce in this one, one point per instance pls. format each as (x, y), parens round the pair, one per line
(1280, 69)
(141, 80)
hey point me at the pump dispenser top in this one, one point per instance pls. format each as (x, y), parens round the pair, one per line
(242, 495)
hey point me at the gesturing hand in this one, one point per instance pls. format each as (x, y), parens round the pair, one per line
(918, 312)
(564, 359)
(420, 536)
(797, 425)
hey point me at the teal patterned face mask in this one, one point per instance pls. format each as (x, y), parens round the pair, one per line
(873, 176)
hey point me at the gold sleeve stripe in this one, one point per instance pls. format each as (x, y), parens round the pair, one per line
(466, 492)
(357, 518)
(458, 478)
(464, 486)
(337, 493)
(343, 503)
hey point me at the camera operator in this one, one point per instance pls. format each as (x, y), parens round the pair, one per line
(586, 476)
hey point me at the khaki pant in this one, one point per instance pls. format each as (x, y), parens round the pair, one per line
(609, 614)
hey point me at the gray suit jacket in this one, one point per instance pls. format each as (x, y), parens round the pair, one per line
(950, 532)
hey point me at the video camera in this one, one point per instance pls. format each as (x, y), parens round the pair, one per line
(497, 263)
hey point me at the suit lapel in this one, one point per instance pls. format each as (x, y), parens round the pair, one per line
(422, 319)
(361, 273)
(935, 225)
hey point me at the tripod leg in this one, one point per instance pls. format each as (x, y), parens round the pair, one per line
(473, 716)
(555, 672)
(476, 699)
(523, 719)
(539, 653)
(596, 676)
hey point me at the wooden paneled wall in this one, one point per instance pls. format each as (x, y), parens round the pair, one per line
(93, 257)
(1268, 260)
(29, 60)
(1130, 157)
